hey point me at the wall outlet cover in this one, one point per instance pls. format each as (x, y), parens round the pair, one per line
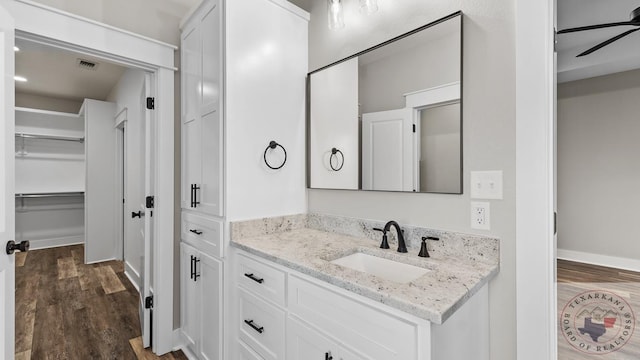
(481, 215)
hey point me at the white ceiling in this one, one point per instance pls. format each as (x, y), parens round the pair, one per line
(621, 55)
(54, 73)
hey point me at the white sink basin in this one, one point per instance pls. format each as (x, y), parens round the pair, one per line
(383, 268)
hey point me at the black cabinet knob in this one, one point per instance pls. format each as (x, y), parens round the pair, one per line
(138, 214)
(23, 246)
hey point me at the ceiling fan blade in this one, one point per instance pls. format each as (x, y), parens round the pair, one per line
(599, 26)
(605, 43)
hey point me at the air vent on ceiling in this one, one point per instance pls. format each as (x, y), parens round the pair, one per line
(87, 65)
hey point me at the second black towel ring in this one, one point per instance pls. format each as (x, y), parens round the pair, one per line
(273, 145)
(334, 151)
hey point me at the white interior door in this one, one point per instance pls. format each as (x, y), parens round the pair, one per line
(7, 157)
(387, 150)
(146, 312)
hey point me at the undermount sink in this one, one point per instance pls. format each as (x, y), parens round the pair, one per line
(382, 268)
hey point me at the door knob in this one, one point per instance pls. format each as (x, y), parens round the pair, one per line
(138, 214)
(12, 246)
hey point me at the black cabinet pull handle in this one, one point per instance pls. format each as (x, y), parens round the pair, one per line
(252, 277)
(259, 329)
(194, 195)
(327, 356)
(197, 232)
(191, 197)
(192, 258)
(137, 214)
(196, 274)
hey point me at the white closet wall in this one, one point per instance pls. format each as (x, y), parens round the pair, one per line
(128, 95)
(101, 201)
(50, 178)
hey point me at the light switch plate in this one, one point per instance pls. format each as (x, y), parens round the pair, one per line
(480, 215)
(486, 185)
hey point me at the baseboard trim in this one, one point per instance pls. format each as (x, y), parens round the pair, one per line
(56, 242)
(179, 343)
(133, 275)
(598, 259)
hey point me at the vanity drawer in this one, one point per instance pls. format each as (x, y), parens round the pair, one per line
(246, 353)
(261, 326)
(367, 331)
(265, 281)
(203, 233)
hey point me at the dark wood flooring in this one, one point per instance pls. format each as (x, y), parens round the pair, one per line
(68, 310)
(569, 271)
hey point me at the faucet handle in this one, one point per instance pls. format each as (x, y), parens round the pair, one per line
(385, 241)
(423, 249)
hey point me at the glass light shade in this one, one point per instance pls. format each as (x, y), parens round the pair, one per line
(335, 14)
(368, 6)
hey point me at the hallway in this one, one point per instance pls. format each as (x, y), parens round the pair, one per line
(68, 310)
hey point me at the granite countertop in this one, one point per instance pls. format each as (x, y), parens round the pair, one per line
(434, 296)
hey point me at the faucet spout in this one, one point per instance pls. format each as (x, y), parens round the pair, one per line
(402, 247)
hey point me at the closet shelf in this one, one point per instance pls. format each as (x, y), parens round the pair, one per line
(49, 137)
(50, 194)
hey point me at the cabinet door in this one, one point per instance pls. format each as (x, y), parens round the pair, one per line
(189, 299)
(209, 195)
(191, 123)
(211, 59)
(303, 342)
(209, 283)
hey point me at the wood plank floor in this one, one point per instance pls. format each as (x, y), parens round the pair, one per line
(577, 278)
(68, 310)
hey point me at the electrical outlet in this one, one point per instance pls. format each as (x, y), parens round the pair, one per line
(480, 216)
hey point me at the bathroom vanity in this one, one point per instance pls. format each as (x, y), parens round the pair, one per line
(295, 302)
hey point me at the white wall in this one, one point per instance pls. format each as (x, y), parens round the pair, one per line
(47, 103)
(333, 105)
(127, 95)
(488, 131)
(101, 199)
(598, 168)
(265, 100)
(440, 148)
(384, 81)
(152, 18)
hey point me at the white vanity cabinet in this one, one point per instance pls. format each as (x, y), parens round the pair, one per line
(202, 121)
(311, 319)
(201, 306)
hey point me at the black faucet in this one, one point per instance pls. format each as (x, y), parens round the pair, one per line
(402, 247)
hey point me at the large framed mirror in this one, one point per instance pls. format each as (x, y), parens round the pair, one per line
(390, 118)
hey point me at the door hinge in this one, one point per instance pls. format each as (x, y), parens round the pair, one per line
(151, 103)
(148, 302)
(150, 202)
(414, 127)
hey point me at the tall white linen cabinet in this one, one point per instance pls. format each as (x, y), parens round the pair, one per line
(243, 70)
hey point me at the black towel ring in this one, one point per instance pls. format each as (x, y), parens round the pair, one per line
(334, 151)
(273, 145)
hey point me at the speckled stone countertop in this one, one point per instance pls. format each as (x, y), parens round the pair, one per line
(434, 296)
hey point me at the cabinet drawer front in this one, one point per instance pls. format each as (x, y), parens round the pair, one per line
(367, 331)
(265, 281)
(203, 233)
(246, 353)
(261, 326)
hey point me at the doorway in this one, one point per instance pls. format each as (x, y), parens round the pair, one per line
(99, 165)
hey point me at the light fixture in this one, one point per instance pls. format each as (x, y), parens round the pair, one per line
(335, 14)
(368, 6)
(15, 48)
(20, 78)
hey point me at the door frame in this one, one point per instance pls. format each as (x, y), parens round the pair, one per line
(44, 24)
(120, 124)
(536, 299)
